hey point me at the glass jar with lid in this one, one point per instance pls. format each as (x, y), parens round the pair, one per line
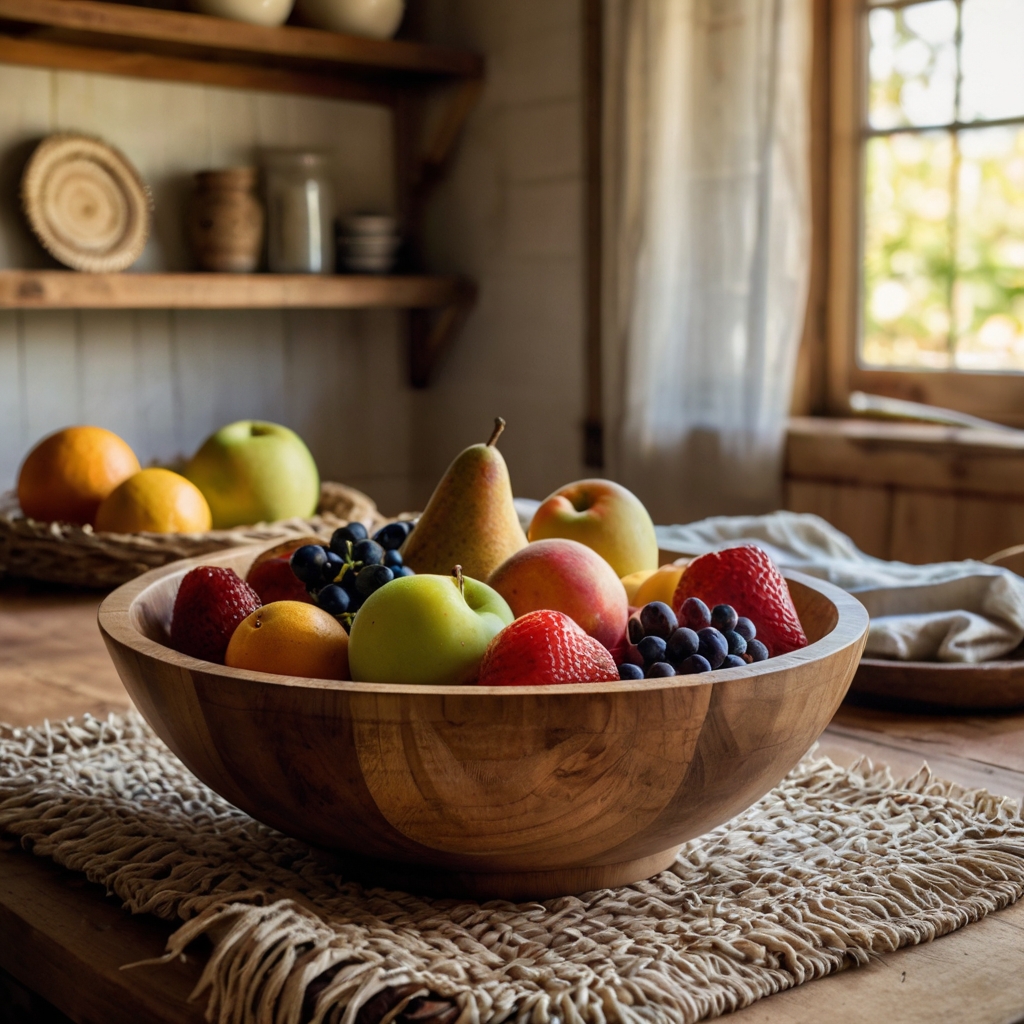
(300, 212)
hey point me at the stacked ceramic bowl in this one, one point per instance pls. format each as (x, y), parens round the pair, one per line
(368, 243)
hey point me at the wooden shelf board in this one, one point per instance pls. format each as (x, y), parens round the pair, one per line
(64, 289)
(202, 37)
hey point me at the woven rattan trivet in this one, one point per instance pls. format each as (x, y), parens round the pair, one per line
(830, 867)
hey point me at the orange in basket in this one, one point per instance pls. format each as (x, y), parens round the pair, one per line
(68, 474)
(154, 501)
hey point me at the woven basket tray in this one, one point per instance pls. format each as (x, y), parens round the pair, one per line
(77, 556)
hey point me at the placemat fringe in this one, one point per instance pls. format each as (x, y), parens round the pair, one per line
(831, 868)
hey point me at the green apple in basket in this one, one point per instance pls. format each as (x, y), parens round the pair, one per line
(255, 472)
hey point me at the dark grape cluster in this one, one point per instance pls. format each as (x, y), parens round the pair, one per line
(340, 576)
(698, 640)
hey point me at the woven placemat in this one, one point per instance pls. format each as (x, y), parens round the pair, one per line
(832, 866)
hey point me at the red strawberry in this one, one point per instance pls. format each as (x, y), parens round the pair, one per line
(746, 578)
(273, 580)
(542, 648)
(211, 602)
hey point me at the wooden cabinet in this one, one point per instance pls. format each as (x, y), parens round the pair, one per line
(87, 35)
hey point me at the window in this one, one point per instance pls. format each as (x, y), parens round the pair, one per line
(926, 296)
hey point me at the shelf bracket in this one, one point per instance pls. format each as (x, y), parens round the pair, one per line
(431, 333)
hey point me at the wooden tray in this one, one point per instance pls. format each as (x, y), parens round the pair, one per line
(990, 686)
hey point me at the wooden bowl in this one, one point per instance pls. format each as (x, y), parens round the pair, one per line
(521, 793)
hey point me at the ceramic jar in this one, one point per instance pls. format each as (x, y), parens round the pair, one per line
(378, 19)
(300, 212)
(225, 221)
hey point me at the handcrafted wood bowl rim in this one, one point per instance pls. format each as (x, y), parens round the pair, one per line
(115, 617)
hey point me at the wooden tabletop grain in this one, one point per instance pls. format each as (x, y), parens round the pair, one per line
(62, 937)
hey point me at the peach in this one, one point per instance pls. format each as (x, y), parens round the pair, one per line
(606, 517)
(565, 576)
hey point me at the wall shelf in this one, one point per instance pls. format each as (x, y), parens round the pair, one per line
(68, 289)
(438, 303)
(119, 39)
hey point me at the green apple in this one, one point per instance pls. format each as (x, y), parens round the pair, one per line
(605, 516)
(425, 629)
(254, 472)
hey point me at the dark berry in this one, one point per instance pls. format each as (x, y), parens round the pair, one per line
(344, 535)
(369, 552)
(724, 617)
(745, 628)
(635, 630)
(371, 578)
(628, 670)
(348, 580)
(333, 567)
(659, 670)
(733, 661)
(694, 614)
(658, 619)
(402, 570)
(392, 536)
(737, 645)
(652, 649)
(334, 600)
(392, 559)
(694, 663)
(757, 650)
(308, 563)
(712, 646)
(681, 644)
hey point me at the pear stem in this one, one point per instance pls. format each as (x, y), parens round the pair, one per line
(457, 573)
(499, 426)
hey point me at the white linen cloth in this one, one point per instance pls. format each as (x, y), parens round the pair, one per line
(947, 611)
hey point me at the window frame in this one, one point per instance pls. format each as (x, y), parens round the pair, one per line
(993, 396)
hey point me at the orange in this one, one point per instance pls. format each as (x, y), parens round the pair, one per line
(68, 474)
(154, 501)
(290, 638)
(661, 586)
(633, 581)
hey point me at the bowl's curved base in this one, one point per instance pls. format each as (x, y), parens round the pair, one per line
(505, 885)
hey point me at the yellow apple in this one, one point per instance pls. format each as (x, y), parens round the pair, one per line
(253, 472)
(606, 517)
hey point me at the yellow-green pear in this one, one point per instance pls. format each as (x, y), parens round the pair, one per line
(470, 519)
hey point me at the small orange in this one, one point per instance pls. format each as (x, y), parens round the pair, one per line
(68, 474)
(660, 586)
(154, 501)
(290, 638)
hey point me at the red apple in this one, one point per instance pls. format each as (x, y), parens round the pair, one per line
(271, 574)
(565, 576)
(606, 517)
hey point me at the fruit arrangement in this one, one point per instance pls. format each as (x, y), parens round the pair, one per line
(247, 472)
(464, 596)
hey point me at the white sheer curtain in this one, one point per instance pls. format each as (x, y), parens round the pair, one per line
(707, 218)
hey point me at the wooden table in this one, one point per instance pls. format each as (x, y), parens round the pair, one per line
(63, 938)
